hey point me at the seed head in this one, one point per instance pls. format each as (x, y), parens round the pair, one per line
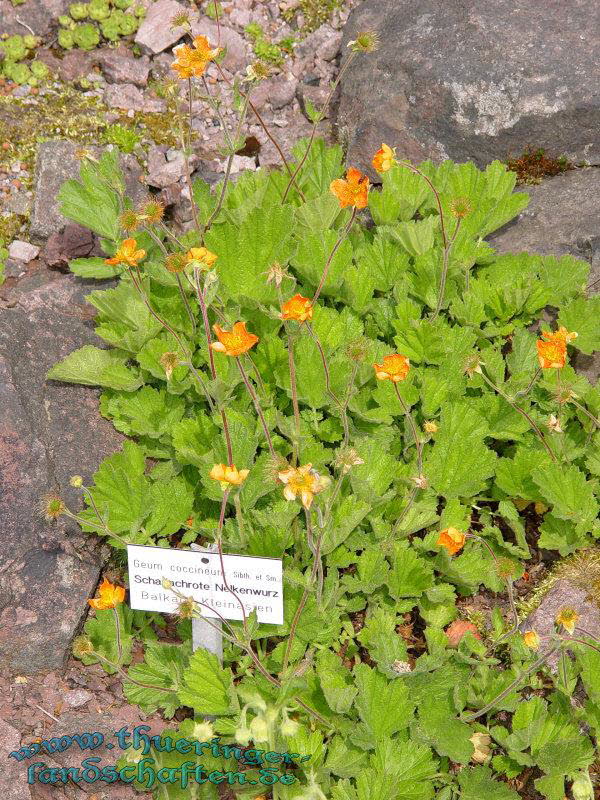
(82, 646)
(176, 262)
(180, 20)
(276, 273)
(187, 608)
(52, 506)
(506, 568)
(169, 361)
(129, 221)
(346, 458)
(430, 426)
(460, 207)
(358, 349)
(152, 211)
(365, 42)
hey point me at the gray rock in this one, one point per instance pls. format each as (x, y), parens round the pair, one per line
(39, 15)
(563, 594)
(124, 95)
(238, 53)
(164, 171)
(49, 431)
(278, 92)
(469, 80)
(119, 66)
(56, 163)
(13, 779)
(562, 217)
(155, 33)
(23, 251)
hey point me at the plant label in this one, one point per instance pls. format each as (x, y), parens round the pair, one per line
(257, 583)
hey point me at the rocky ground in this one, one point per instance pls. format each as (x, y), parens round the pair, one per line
(487, 108)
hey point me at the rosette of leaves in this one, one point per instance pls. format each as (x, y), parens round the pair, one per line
(374, 687)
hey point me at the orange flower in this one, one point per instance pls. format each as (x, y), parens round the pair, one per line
(531, 640)
(452, 539)
(298, 308)
(353, 191)
(192, 61)
(233, 342)
(552, 348)
(304, 481)
(228, 476)
(561, 333)
(109, 596)
(567, 617)
(383, 160)
(394, 368)
(552, 354)
(127, 254)
(201, 255)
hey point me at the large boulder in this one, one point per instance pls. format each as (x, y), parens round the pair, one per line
(562, 217)
(468, 80)
(48, 432)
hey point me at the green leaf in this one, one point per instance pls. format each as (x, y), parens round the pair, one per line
(335, 682)
(162, 672)
(247, 251)
(172, 504)
(477, 783)
(207, 686)
(581, 315)
(449, 737)
(459, 463)
(93, 267)
(410, 575)
(92, 366)
(384, 706)
(147, 412)
(89, 201)
(347, 515)
(568, 492)
(416, 236)
(122, 489)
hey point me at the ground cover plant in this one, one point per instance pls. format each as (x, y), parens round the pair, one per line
(351, 379)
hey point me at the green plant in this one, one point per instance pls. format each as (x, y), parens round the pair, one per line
(79, 11)
(315, 12)
(396, 411)
(264, 50)
(124, 138)
(86, 36)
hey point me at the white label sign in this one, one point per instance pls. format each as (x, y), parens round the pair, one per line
(257, 582)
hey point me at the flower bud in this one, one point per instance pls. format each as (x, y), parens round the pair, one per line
(243, 735)
(166, 583)
(289, 727)
(259, 729)
(76, 481)
(582, 788)
(203, 731)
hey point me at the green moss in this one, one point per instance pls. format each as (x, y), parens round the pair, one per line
(66, 113)
(315, 12)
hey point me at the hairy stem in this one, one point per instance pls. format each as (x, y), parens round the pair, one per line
(413, 427)
(334, 249)
(523, 413)
(259, 410)
(313, 133)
